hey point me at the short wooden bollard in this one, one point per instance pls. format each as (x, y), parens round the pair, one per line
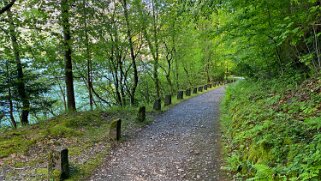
(209, 86)
(180, 94)
(200, 89)
(188, 92)
(141, 115)
(58, 165)
(168, 100)
(157, 105)
(195, 90)
(115, 130)
(205, 87)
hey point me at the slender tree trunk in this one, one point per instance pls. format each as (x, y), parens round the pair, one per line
(12, 119)
(20, 75)
(121, 80)
(71, 103)
(188, 76)
(169, 58)
(208, 70)
(316, 47)
(132, 55)
(156, 57)
(63, 96)
(177, 74)
(89, 62)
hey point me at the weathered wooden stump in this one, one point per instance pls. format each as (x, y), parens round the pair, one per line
(200, 89)
(115, 130)
(168, 100)
(141, 115)
(180, 94)
(195, 90)
(157, 105)
(188, 92)
(205, 87)
(209, 86)
(58, 165)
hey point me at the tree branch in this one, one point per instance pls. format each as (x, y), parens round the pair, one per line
(7, 7)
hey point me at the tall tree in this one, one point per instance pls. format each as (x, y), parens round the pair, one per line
(133, 54)
(67, 42)
(20, 75)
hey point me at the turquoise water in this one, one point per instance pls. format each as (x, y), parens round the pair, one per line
(82, 103)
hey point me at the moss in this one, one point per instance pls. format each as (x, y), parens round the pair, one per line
(62, 131)
(17, 144)
(81, 172)
(42, 171)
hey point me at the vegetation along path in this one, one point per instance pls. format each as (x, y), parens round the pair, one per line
(182, 144)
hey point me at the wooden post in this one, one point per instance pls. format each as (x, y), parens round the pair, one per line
(115, 130)
(195, 90)
(200, 89)
(209, 86)
(157, 104)
(188, 92)
(205, 87)
(180, 94)
(58, 165)
(141, 115)
(168, 100)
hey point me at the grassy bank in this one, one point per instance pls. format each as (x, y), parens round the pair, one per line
(272, 129)
(24, 151)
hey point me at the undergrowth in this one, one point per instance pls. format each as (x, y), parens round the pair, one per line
(272, 129)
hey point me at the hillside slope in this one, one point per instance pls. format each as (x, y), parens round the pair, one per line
(272, 129)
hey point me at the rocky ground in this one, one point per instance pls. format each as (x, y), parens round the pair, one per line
(182, 144)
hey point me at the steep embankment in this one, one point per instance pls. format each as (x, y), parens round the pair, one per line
(272, 129)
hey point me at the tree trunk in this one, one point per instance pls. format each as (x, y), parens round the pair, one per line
(12, 119)
(132, 55)
(71, 103)
(20, 75)
(156, 56)
(89, 62)
(7, 7)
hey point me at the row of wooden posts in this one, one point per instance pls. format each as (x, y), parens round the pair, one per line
(58, 164)
(180, 94)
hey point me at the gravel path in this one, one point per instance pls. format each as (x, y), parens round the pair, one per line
(182, 144)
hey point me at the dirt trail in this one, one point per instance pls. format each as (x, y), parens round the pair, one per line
(182, 144)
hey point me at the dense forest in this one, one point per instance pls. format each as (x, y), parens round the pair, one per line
(58, 57)
(71, 56)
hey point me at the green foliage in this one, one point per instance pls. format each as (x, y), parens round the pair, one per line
(272, 132)
(269, 38)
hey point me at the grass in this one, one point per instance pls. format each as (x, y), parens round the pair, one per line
(79, 132)
(272, 129)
